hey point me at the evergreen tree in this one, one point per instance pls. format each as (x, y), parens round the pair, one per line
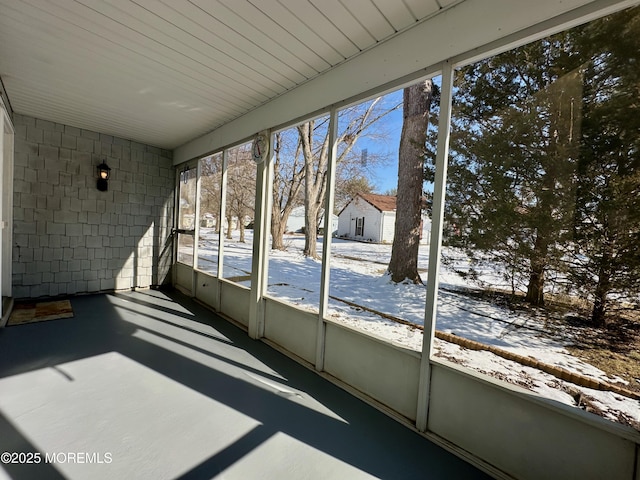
(604, 260)
(545, 167)
(514, 150)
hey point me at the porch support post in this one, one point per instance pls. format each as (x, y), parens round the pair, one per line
(196, 230)
(222, 219)
(442, 153)
(260, 257)
(326, 240)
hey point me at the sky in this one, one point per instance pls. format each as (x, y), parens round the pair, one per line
(385, 176)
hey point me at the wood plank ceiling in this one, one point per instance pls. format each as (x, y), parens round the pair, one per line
(164, 72)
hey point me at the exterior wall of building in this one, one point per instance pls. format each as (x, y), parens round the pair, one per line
(379, 226)
(359, 208)
(296, 220)
(388, 226)
(71, 238)
(295, 223)
(344, 221)
(426, 229)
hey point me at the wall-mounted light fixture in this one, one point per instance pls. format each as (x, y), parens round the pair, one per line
(103, 176)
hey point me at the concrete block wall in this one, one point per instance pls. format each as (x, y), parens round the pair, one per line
(70, 238)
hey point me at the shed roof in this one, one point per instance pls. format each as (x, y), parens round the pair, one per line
(384, 203)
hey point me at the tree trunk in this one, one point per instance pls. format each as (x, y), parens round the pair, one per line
(314, 187)
(279, 226)
(598, 314)
(311, 230)
(404, 252)
(286, 192)
(535, 288)
(241, 227)
(277, 229)
(538, 264)
(229, 226)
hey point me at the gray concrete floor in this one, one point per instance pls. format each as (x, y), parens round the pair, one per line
(151, 385)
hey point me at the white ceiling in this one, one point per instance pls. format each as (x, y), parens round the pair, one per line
(166, 72)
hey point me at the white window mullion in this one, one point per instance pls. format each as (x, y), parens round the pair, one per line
(196, 221)
(435, 246)
(260, 257)
(326, 241)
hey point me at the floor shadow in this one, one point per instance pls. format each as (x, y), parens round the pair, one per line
(225, 458)
(354, 433)
(25, 462)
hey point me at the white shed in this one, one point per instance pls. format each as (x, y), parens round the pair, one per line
(295, 223)
(370, 217)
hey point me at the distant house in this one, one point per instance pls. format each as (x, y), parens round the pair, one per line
(295, 223)
(370, 217)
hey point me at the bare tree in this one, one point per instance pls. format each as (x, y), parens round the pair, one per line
(288, 177)
(357, 120)
(210, 180)
(348, 188)
(241, 180)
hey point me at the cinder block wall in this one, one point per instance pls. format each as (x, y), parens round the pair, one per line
(71, 238)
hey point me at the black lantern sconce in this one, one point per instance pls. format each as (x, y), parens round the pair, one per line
(103, 176)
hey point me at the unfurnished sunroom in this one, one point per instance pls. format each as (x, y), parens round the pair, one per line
(151, 144)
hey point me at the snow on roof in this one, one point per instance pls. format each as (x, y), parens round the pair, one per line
(384, 203)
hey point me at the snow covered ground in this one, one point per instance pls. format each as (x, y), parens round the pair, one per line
(357, 276)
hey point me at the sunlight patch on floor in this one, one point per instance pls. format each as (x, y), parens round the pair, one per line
(109, 403)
